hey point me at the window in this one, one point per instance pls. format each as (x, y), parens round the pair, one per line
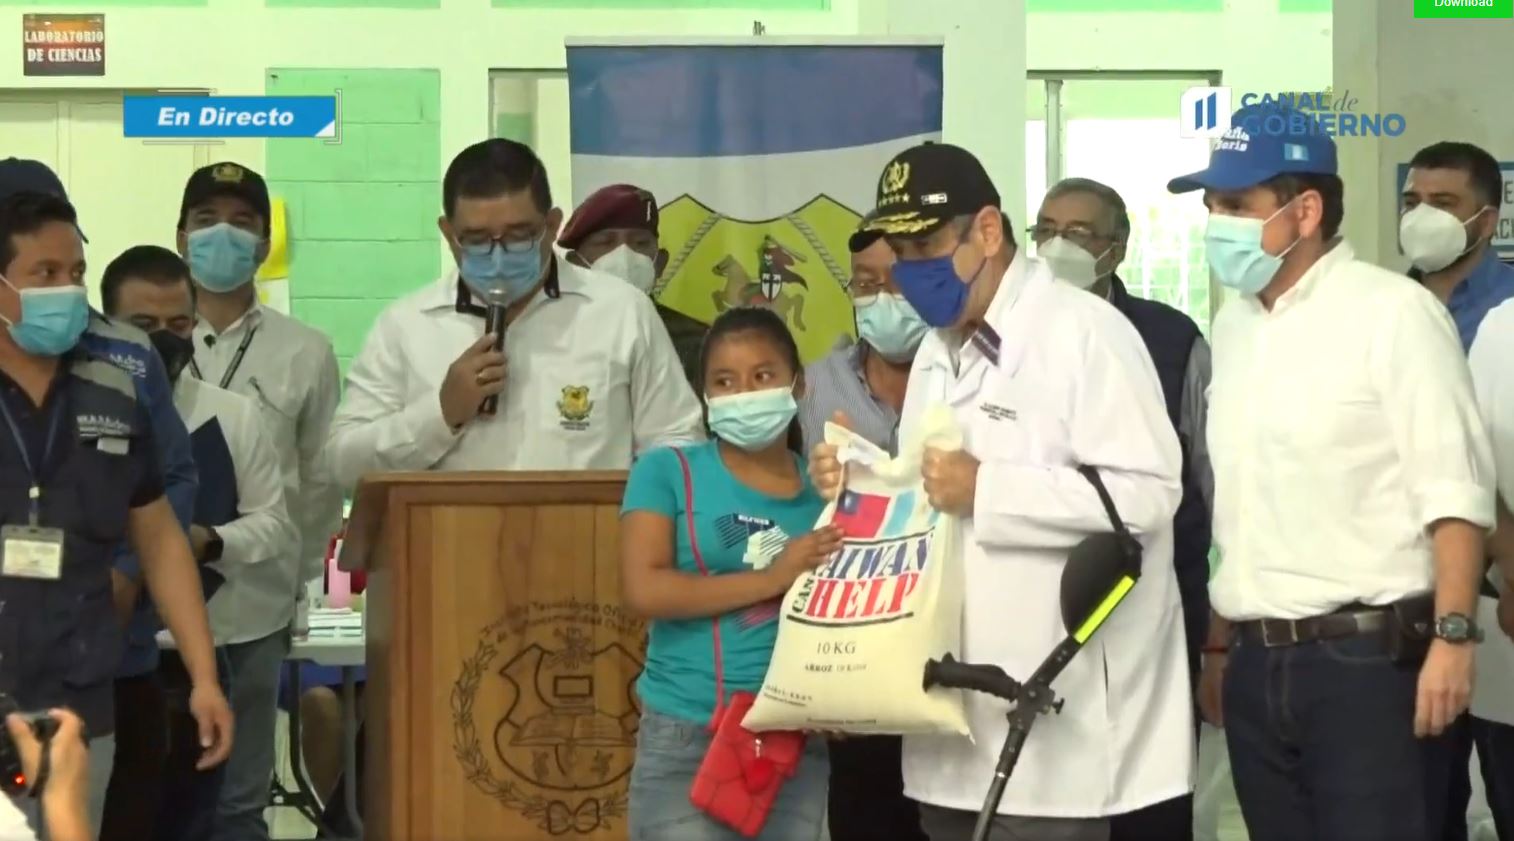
(1122, 129)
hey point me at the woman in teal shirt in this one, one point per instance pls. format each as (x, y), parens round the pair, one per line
(754, 510)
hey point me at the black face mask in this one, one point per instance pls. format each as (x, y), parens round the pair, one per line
(175, 351)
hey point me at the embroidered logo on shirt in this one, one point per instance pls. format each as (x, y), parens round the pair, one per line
(997, 412)
(102, 426)
(575, 407)
(134, 365)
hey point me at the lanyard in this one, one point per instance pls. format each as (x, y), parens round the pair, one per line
(32, 473)
(236, 360)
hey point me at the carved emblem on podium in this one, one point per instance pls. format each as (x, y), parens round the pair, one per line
(544, 714)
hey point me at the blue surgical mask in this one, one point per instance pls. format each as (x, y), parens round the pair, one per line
(753, 419)
(52, 319)
(891, 326)
(223, 257)
(1233, 245)
(499, 275)
(934, 289)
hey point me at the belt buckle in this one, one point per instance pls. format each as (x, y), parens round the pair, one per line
(1274, 636)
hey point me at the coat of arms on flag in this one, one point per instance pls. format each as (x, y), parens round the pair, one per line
(760, 187)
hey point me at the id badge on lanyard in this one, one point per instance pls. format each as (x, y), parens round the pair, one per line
(33, 550)
(231, 367)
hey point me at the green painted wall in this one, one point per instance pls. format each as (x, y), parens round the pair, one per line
(754, 5)
(362, 213)
(518, 127)
(1119, 6)
(369, 4)
(1310, 6)
(86, 6)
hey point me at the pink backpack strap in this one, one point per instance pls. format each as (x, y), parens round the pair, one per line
(688, 510)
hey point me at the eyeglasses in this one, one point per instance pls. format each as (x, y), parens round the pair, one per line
(865, 293)
(512, 243)
(1080, 235)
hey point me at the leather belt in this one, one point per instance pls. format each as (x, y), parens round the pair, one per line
(1272, 633)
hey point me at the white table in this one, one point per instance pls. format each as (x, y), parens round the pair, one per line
(347, 652)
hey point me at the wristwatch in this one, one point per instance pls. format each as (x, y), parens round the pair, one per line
(214, 546)
(1457, 628)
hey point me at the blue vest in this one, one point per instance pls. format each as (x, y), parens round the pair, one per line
(1169, 336)
(59, 639)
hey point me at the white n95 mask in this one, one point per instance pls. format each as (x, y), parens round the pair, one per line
(629, 265)
(1433, 238)
(1070, 262)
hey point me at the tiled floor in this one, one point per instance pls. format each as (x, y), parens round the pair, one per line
(1217, 816)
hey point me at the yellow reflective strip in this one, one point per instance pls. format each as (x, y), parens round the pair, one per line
(1105, 608)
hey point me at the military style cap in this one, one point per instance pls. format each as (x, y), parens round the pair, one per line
(226, 179)
(926, 186)
(615, 206)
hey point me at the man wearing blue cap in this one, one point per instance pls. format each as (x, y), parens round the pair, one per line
(1353, 489)
(135, 699)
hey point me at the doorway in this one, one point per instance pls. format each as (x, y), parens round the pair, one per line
(1121, 128)
(127, 192)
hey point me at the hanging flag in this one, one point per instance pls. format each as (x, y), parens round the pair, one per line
(762, 159)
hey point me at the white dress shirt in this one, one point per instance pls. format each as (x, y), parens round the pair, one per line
(289, 370)
(259, 560)
(1342, 424)
(1492, 363)
(1072, 386)
(591, 380)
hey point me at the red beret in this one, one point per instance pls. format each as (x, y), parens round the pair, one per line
(615, 206)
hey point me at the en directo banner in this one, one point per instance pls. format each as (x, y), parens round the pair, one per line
(229, 116)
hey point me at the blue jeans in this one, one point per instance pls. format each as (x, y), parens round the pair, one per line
(1495, 758)
(255, 668)
(668, 753)
(1322, 744)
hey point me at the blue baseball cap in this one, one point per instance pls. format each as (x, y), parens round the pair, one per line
(19, 175)
(1264, 141)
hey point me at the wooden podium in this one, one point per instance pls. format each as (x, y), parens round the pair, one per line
(500, 700)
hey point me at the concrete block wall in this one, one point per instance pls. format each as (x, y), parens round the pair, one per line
(362, 213)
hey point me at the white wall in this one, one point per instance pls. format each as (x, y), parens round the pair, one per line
(985, 76)
(1252, 44)
(1449, 78)
(228, 45)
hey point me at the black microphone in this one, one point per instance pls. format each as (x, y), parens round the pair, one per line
(494, 324)
(210, 341)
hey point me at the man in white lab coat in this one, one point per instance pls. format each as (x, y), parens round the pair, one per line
(588, 376)
(1043, 379)
(1353, 488)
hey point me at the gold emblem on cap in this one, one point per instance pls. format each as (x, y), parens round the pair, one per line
(901, 224)
(228, 174)
(894, 177)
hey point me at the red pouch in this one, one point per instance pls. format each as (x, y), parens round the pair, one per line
(742, 771)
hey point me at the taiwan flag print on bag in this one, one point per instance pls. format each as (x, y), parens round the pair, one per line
(854, 635)
(860, 515)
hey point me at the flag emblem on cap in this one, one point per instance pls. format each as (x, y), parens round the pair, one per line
(1295, 152)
